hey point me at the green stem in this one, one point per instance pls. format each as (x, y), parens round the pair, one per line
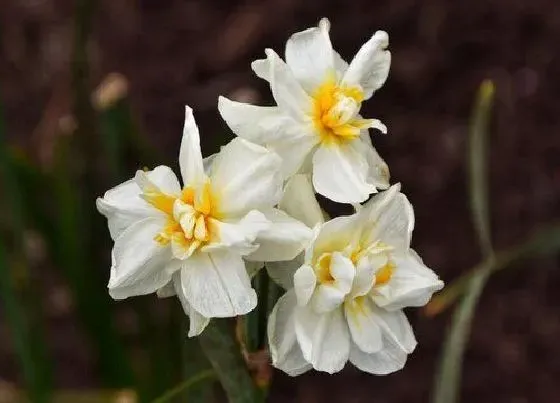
(189, 383)
(220, 346)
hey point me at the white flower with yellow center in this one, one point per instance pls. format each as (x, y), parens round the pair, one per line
(345, 301)
(318, 98)
(190, 240)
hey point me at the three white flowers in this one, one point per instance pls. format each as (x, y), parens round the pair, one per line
(347, 279)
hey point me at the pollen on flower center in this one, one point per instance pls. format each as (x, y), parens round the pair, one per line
(335, 112)
(189, 223)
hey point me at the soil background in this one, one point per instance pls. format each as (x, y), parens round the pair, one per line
(176, 52)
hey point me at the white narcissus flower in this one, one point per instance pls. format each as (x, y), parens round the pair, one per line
(317, 118)
(192, 240)
(347, 296)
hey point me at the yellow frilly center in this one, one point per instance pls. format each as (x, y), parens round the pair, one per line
(330, 119)
(186, 231)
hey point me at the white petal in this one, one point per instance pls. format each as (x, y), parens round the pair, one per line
(337, 234)
(299, 201)
(282, 273)
(388, 360)
(365, 330)
(140, 263)
(197, 322)
(288, 93)
(246, 177)
(378, 172)
(270, 127)
(393, 218)
(123, 205)
(330, 296)
(309, 54)
(326, 298)
(217, 285)
(370, 67)
(343, 271)
(323, 338)
(160, 180)
(304, 284)
(284, 239)
(284, 348)
(166, 291)
(257, 124)
(261, 67)
(412, 284)
(295, 146)
(190, 156)
(396, 328)
(237, 235)
(340, 174)
(340, 65)
(365, 273)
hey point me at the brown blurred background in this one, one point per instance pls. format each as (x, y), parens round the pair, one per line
(177, 52)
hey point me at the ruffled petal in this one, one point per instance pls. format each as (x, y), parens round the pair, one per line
(388, 360)
(304, 284)
(284, 349)
(197, 322)
(412, 284)
(299, 201)
(123, 205)
(340, 173)
(237, 236)
(287, 92)
(392, 219)
(246, 177)
(270, 127)
(370, 67)
(365, 331)
(309, 54)
(323, 338)
(140, 264)
(190, 156)
(217, 285)
(283, 239)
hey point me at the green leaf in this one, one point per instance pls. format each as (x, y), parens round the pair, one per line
(448, 378)
(220, 346)
(543, 242)
(181, 388)
(478, 166)
(20, 300)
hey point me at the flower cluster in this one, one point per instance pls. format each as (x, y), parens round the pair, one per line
(253, 203)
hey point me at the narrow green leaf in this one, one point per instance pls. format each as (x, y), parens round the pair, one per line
(478, 166)
(448, 378)
(20, 303)
(189, 383)
(194, 361)
(544, 242)
(220, 346)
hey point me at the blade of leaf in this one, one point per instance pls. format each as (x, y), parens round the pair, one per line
(182, 387)
(448, 378)
(542, 243)
(22, 311)
(220, 346)
(478, 166)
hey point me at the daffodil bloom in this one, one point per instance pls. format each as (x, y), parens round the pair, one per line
(317, 118)
(192, 240)
(345, 301)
